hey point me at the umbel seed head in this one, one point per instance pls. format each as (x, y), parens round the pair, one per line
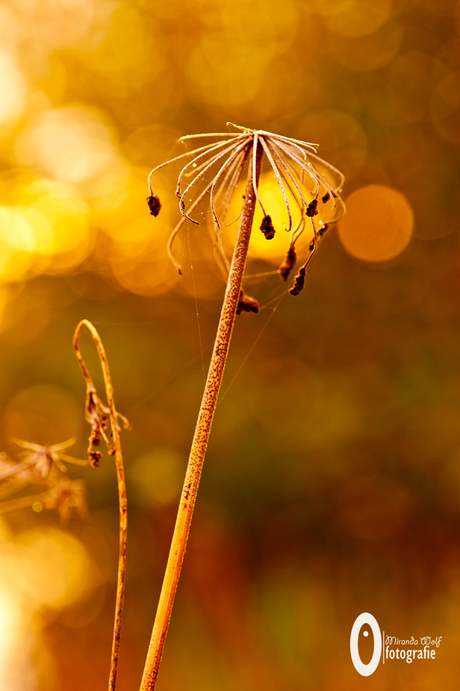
(214, 170)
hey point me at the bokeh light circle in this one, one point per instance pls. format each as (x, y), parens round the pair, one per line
(352, 17)
(43, 413)
(378, 224)
(54, 568)
(69, 143)
(445, 107)
(14, 87)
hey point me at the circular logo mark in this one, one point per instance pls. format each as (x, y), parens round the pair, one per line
(365, 670)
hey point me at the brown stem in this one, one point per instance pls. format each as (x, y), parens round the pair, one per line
(202, 431)
(123, 508)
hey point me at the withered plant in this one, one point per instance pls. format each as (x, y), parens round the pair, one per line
(310, 188)
(44, 466)
(41, 467)
(104, 424)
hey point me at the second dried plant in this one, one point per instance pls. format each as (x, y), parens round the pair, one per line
(104, 421)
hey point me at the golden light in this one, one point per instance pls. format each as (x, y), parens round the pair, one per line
(16, 637)
(138, 250)
(342, 139)
(369, 52)
(218, 67)
(47, 231)
(354, 17)
(214, 75)
(125, 54)
(445, 107)
(70, 144)
(15, 629)
(157, 477)
(274, 250)
(47, 25)
(45, 414)
(54, 568)
(146, 274)
(66, 215)
(42, 566)
(16, 240)
(14, 88)
(266, 25)
(378, 224)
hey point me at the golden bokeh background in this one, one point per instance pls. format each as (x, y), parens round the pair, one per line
(332, 480)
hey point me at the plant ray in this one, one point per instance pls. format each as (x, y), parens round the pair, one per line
(202, 172)
(279, 180)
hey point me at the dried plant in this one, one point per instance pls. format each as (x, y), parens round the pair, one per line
(219, 166)
(99, 416)
(42, 466)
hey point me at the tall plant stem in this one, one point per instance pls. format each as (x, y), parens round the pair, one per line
(202, 430)
(123, 507)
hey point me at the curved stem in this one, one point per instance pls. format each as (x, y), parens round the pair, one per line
(123, 507)
(202, 430)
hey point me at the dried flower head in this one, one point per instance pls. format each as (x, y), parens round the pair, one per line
(98, 414)
(215, 169)
(42, 465)
(38, 461)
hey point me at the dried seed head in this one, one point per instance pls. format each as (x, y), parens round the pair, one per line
(214, 170)
(41, 465)
(97, 414)
(40, 459)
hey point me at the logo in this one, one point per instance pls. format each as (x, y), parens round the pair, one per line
(388, 648)
(365, 618)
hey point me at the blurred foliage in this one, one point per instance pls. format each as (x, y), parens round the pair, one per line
(332, 481)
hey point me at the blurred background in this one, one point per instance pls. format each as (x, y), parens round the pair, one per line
(332, 480)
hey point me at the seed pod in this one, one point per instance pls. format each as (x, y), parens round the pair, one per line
(267, 228)
(154, 204)
(312, 208)
(299, 281)
(247, 304)
(95, 458)
(288, 264)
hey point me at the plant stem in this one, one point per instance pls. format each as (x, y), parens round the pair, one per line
(122, 501)
(202, 431)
